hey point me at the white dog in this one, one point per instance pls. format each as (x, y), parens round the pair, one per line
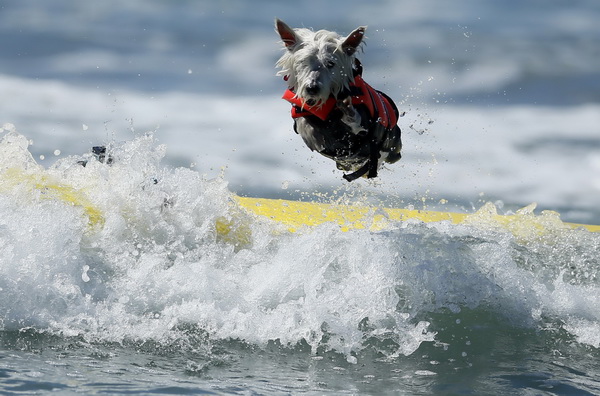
(334, 110)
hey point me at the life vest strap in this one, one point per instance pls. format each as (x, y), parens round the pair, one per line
(370, 166)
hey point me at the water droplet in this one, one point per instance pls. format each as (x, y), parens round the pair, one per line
(84, 276)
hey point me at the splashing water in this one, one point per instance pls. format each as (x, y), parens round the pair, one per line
(152, 265)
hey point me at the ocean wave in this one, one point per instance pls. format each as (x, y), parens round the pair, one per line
(151, 264)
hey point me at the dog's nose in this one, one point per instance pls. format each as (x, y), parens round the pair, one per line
(312, 89)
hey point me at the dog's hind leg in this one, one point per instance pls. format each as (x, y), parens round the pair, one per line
(392, 145)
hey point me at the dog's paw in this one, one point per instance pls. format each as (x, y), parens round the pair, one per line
(350, 116)
(346, 106)
(392, 146)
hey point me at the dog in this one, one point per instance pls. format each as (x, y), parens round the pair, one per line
(335, 111)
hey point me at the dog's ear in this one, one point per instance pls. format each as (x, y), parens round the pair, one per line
(351, 43)
(287, 34)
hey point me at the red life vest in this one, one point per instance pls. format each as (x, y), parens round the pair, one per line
(381, 107)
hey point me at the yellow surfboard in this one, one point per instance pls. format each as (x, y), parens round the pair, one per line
(51, 188)
(296, 215)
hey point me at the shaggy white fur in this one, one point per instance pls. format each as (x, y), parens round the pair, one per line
(317, 64)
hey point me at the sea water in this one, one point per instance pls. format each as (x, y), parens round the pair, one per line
(150, 298)
(114, 280)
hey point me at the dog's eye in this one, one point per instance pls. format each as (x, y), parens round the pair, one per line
(329, 64)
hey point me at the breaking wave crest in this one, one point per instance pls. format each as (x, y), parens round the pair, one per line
(135, 251)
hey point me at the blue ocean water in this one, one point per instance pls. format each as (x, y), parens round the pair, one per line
(502, 103)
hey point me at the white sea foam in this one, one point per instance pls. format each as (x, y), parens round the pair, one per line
(155, 266)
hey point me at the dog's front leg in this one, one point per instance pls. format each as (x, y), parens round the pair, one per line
(350, 116)
(311, 135)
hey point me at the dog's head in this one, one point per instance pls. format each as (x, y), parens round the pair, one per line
(317, 64)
